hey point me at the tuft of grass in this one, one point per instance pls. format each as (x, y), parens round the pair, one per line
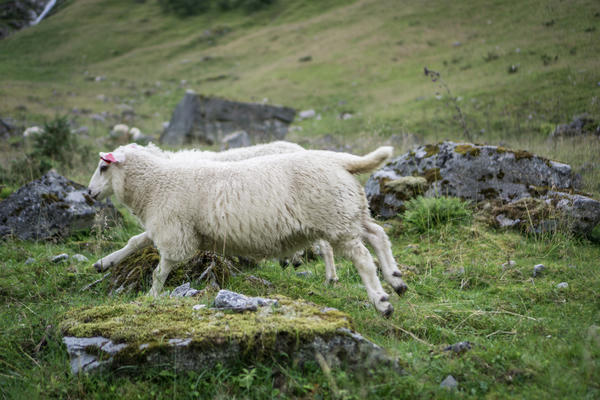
(426, 213)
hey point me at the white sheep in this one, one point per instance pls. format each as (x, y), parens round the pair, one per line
(33, 131)
(135, 133)
(279, 147)
(119, 130)
(262, 207)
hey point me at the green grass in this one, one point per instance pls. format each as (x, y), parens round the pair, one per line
(530, 339)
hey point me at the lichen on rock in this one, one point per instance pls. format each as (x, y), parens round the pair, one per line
(481, 173)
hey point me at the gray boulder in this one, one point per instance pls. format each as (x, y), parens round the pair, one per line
(192, 337)
(485, 173)
(8, 128)
(581, 125)
(208, 119)
(235, 140)
(51, 207)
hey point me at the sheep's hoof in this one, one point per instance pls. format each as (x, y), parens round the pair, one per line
(99, 266)
(397, 274)
(332, 281)
(388, 311)
(401, 289)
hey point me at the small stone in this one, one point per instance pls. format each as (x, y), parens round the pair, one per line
(184, 290)
(449, 383)
(459, 347)
(60, 258)
(562, 285)
(80, 258)
(506, 222)
(304, 274)
(537, 269)
(199, 306)
(237, 302)
(509, 264)
(306, 114)
(256, 279)
(29, 261)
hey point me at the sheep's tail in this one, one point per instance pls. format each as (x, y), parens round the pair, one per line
(368, 162)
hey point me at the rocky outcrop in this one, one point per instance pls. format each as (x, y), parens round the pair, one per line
(51, 207)
(18, 14)
(209, 119)
(192, 336)
(484, 173)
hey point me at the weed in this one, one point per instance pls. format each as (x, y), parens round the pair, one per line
(491, 56)
(436, 77)
(426, 213)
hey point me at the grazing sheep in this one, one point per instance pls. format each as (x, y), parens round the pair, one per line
(262, 207)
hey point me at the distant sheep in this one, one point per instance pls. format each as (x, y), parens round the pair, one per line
(119, 130)
(262, 207)
(32, 131)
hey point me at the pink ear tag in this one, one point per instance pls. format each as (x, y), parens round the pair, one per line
(109, 158)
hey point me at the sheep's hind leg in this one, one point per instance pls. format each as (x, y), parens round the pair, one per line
(377, 237)
(135, 243)
(159, 276)
(363, 261)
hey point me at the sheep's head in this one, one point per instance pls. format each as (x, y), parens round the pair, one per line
(100, 186)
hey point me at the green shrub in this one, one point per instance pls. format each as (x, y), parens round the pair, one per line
(425, 213)
(56, 142)
(184, 8)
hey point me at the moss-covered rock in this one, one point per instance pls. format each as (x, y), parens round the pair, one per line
(150, 332)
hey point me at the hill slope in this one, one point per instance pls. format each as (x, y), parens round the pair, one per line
(366, 58)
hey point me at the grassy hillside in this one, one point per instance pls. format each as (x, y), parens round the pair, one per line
(367, 58)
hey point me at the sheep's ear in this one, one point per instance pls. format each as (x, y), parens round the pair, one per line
(117, 157)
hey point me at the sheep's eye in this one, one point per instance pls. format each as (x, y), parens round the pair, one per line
(103, 168)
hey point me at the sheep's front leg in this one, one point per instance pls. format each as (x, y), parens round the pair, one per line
(159, 276)
(327, 254)
(135, 243)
